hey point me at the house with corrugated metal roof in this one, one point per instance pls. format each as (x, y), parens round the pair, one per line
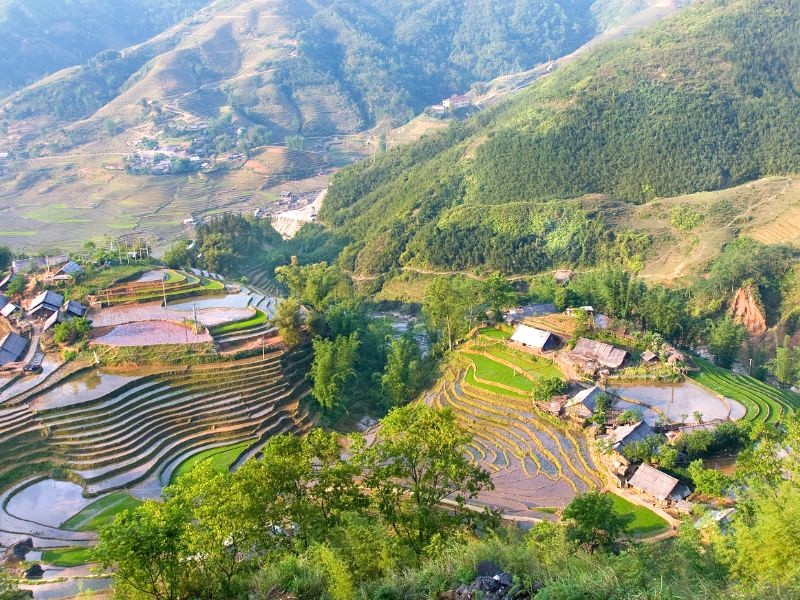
(601, 353)
(534, 338)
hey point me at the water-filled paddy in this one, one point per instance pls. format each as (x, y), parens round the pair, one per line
(680, 401)
(27, 382)
(48, 502)
(83, 388)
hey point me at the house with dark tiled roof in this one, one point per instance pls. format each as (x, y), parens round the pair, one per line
(12, 348)
(45, 304)
(622, 436)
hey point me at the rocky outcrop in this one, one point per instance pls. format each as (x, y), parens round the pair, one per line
(746, 309)
(16, 552)
(490, 583)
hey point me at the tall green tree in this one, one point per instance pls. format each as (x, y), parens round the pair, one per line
(5, 257)
(288, 321)
(417, 462)
(403, 372)
(593, 521)
(146, 548)
(333, 369)
(725, 338)
(450, 306)
(498, 294)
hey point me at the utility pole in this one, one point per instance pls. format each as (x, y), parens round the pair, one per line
(164, 291)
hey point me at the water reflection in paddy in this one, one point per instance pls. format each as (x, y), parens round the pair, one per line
(681, 400)
(83, 388)
(48, 502)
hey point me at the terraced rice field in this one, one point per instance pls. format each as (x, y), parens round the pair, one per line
(761, 401)
(498, 367)
(134, 433)
(175, 286)
(535, 463)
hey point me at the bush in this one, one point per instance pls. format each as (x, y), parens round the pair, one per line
(71, 331)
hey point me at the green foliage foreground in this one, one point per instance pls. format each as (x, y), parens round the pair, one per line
(299, 524)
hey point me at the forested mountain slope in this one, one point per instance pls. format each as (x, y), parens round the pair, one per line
(42, 36)
(705, 100)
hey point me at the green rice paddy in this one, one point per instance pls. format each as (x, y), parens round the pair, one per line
(67, 557)
(762, 401)
(99, 514)
(220, 459)
(644, 521)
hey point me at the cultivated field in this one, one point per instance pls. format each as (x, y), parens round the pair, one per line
(761, 401)
(132, 433)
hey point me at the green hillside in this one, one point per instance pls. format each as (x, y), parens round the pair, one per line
(705, 100)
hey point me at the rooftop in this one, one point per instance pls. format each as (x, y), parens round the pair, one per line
(12, 347)
(530, 336)
(605, 354)
(657, 483)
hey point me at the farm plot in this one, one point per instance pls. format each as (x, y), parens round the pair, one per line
(152, 333)
(678, 402)
(209, 314)
(762, 402)
(498, 367)
(534, 462)
(48, 502)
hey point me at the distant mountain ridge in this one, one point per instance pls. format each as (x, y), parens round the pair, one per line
(41, 37)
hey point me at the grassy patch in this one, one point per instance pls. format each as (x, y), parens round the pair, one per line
(99, 514)
(470, 379)
(259, 318)
(18, 233)
(492, 371)
(645, 521)
(57, 213)
(532, 365)
(497, 334)
(67, 557)
(220, 458)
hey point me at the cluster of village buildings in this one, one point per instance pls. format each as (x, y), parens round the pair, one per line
(40, 314)
(596, 360)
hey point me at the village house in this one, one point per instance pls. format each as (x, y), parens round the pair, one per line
(592, 351)
(45, 304)
(66, 273)
(70, 310)
(589, 310)
(624, 435)
(26, 265)
(456, 101)
(12, 347)
(3, 301)
(649, 357)
(537, 339)
(584, 404)
(4, 281)
(8, 310)
(664, 489)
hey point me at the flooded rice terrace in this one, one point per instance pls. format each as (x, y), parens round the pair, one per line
(678, 402)
(48, 502)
